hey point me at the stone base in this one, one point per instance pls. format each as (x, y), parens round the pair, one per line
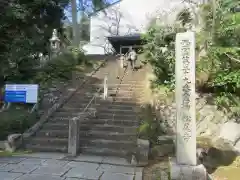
(187, 172)
(13, 142)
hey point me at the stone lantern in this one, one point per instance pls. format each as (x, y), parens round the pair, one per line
(55, 43)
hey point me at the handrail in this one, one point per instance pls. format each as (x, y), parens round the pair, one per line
(118, 87)
(74, 124)
(94, 97)
(89, 103)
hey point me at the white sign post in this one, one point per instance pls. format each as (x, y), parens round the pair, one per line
(186, 162)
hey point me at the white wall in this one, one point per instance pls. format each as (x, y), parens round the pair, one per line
(127, 17)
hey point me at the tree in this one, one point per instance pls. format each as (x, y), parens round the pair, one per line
(185, 17)
(26, 27)
(85, 29)
(217, 67)
(95, 5)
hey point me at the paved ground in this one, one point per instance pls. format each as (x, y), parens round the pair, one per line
(45, 166)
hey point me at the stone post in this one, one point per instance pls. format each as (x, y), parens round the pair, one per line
(121, 61)
(185, 98)
(105, 87)
(185, 167)
(73, 136)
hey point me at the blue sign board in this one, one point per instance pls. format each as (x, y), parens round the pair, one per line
(21, 93)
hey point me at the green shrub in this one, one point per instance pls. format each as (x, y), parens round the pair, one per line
(217, 69)
(16, 120)
(161, 37)
(149, 128)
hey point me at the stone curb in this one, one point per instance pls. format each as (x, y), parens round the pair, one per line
(14, 142)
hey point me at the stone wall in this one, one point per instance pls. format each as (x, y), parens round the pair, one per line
(211, 122)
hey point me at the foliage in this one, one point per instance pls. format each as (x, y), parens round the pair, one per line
(218, 52)
(84, 26)
(185, 17)
(223, 53)
(17, 119)
(26, 27)
(150, 128)
(159, 52)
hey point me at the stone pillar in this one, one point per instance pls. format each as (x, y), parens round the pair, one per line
(121, 61)
(185, 166)
(185, 98)
(105, 88)
(73, 136)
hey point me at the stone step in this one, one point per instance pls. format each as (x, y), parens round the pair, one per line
(124, 89)
(58, 120)
(99, 109)
(108, 102)
(56, 126)
(91, 135)
(76, 105)
(124, 100)
(102, 103)
(81, 100)
(59, 133)
(62, 123)
(104, 151)
(123, 84)
(86, 95)
(53, 141)
(119, 105)
(128, 87)
(111, 144)
(110, 128)
(122, 122)
(99, 143)
(117, 116)
(121, 91)
(46, 148)
(124, 95)
(95, 127)
(87, 90)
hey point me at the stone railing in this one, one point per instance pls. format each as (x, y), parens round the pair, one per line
(75, 123)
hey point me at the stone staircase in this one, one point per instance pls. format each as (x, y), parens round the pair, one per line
(113, 132)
